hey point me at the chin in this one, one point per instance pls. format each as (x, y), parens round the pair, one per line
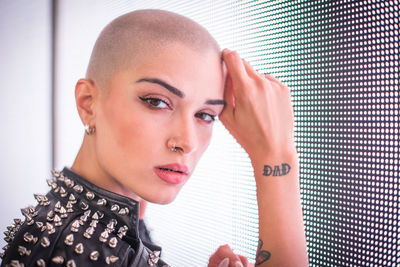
(163, 198)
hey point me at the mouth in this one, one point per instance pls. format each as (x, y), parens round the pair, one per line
(171, 170)
(172, 173)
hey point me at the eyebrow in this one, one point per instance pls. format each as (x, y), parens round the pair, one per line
(170, 88)
(216, 102)
(178, 92)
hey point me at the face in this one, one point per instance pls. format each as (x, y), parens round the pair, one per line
(167, 99)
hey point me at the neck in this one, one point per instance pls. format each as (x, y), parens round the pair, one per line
(87, 165)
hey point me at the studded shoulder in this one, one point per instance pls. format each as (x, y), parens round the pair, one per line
(75, 224)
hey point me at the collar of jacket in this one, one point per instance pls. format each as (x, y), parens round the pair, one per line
(88, 196)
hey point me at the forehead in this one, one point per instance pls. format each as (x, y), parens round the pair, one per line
(188, 70)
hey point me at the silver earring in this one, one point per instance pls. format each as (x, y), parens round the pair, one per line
(174, 149)
(89, 130)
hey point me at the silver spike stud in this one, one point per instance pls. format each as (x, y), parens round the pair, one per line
(122, 231)
(45, 242)
(69, 240)
(123, 211)
(94, 256)
(78, 188)
(39, 224)
(95, 216)
(68, 182)
(40, 263)
(111, 259)
(50, 216)
(1, 255)
(58, 260)
(79, 248)
(102, 202)
(83, 205)
(6, 247)
(57, 207)
(113, 242)
(8, 239)
(115, 208)
(63, 212)
(111, 225)
(71, 263)
(100, 214)
(90, 195)
(11, 227)
(93, 223)
(18, 221)
(29, 238)
(57, 220)
(72, 198)
(52, 183)
(69, 207)
(89, 232)
(50, 228)
(63, 192)
(103, 236)
(153, 258)
(23, 251)
(75, 226)
(85, 216)
(55, 173)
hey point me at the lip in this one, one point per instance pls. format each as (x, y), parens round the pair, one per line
(172, 173)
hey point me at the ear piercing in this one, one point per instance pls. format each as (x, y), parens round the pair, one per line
(89, 130)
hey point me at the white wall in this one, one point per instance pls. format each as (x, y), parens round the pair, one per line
(25, 110)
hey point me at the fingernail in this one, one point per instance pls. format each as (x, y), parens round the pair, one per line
(238, 264)
(224, 263)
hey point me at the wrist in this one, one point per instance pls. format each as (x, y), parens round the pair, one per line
(274, 158)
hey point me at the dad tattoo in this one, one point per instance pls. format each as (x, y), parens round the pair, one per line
(262, 255)
(277, 170)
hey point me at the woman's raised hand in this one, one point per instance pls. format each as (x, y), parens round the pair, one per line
(258, 111)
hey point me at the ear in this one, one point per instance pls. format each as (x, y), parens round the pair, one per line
(86, 95)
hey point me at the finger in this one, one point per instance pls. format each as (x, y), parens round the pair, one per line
(244, 260)
(273, 79)
(228, 111)
(238, 264)
(250, 70)
(235, 67)
(224, 263)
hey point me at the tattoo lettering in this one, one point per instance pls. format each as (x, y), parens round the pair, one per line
(277, 170)
(262, 255)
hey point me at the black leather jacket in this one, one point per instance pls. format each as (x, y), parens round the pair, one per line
(78, 224)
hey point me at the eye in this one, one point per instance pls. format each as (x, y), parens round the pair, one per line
(205, 117)
(155, 102)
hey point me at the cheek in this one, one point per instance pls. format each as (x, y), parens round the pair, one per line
(204, 139)
(126, 130)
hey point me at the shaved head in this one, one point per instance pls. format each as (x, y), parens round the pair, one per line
(142, 33)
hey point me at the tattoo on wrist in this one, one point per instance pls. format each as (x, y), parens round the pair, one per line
(277, 170)
(261, 255)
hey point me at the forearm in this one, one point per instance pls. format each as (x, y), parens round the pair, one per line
(281, 228)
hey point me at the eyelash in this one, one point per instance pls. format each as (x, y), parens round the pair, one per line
(148, 100)
(199, 115)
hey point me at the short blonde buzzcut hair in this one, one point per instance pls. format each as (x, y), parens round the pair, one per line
(125, 38)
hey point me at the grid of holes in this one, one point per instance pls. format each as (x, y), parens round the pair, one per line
(341, 61)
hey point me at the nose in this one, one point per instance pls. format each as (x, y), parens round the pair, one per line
(184, 136)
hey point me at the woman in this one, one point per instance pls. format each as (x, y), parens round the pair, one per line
(154, 85)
